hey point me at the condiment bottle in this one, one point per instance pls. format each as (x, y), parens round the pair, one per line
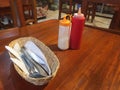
(78, 21)
(64, 33)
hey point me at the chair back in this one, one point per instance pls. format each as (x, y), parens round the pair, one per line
(7, 11)
(27, 11)
(61, 2)
(71, 4)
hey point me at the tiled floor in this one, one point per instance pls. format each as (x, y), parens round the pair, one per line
(98, 21)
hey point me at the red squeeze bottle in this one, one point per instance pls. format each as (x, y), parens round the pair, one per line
(78, 21)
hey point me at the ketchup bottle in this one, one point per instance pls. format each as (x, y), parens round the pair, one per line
(78, 21)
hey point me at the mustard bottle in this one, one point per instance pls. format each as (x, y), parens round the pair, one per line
(64, 33)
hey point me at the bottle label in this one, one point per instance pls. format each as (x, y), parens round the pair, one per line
(64, 36)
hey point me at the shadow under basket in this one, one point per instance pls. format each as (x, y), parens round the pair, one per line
(50, 56)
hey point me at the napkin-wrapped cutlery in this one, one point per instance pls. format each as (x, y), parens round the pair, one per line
(37, 55)
(28, 61)
(23, 64)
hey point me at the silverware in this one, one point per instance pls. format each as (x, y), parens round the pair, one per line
(38, 56)
(20, 65)
(22, 58)
(32, 72)
(35, 59)
(37, 66)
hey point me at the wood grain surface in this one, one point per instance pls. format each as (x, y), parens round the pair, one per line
(95, 66)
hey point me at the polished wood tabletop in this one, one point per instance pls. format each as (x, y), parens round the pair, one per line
(95, 66)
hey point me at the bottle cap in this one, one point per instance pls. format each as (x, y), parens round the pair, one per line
(79, 13)
(65, 22)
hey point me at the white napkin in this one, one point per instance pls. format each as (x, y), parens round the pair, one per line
(37, 55)
(18, 61)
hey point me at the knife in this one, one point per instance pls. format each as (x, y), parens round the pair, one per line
(12, 51)
(20, 65)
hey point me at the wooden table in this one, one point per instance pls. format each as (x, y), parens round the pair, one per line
(4, 3)
(96, 65)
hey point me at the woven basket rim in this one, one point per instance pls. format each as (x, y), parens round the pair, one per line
(47, 78)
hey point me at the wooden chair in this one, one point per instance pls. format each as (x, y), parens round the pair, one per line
(26, 11)
(91, 8)
(91, 11)
(76, 2)
(61, 2)
(71, 4)
(115, 23)
(30, 11)
(7, 12)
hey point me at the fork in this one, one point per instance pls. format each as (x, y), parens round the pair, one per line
(31, 69)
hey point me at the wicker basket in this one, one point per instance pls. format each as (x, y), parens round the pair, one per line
(50, 56)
